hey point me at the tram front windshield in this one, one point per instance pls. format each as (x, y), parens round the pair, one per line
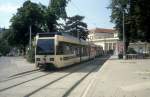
(45, 47)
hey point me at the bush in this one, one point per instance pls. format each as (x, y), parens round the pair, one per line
(120, 56)
(4, 47)
(111, 51)
(31, 55)
(131, 51)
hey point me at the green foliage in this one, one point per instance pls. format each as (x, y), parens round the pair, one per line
(4, 46)
(120, 56)
(76, 27)
(137, 19)
(142, 18)
(57, 7)
(51, 21)
(55, 11)
(39, 17)
(118, 6)
(29, 14)
(131, 51)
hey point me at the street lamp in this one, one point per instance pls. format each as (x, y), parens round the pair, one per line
(126, 9)
(123, 28)
(30, 39)
(124, 37)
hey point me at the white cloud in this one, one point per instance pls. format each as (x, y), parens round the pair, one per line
(8, 8)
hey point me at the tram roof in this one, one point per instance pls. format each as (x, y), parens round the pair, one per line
(52, 34)
(67, 36)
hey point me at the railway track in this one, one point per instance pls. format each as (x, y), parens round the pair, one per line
(19, 75)
(24, 73)
(81, 86)
(59, 80)
(67, 93)
(45, 80)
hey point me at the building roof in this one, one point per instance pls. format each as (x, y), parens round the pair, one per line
(102, 30)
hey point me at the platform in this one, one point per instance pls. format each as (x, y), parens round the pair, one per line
(121, 78)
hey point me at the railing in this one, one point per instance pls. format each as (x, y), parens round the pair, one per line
(138, 56)
(132, 56)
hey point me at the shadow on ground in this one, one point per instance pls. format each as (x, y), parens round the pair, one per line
(97, 62)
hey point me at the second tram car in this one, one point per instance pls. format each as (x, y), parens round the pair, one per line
(60, 50)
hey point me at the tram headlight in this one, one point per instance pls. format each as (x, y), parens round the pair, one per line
(38, 59)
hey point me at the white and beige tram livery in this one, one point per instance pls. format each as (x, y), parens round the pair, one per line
(58, 50)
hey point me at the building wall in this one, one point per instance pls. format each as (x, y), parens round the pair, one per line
(93, 35)
(110, 41)
(106, 40)
(103, 35)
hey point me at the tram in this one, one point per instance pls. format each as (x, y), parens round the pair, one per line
(59, 50)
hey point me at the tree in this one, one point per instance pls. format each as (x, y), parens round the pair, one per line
(141, 14)
(136, 19)
(118, 6)
(30, 14)
(76, 27)
(39, 17)
(4, 46)
(55, 11)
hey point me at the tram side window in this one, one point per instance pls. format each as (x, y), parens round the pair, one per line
(84, 51)
(77, 51)
(66, 48)
(60, 48)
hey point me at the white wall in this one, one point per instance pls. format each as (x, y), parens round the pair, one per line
(103, 35)
(105, 40)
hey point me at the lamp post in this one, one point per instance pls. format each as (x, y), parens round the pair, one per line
(88, 39)
(124, 37)
(123, 9)
(79, 37)
(123, 28)
(30, 41)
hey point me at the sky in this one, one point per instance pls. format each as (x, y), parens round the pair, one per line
(95, 11)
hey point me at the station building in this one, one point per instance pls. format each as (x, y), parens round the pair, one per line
(106, 38)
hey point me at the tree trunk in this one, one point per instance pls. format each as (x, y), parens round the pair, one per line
(127, 44)
(24, 50)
